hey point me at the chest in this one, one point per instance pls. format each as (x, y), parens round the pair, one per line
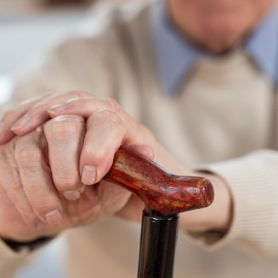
(220, 113)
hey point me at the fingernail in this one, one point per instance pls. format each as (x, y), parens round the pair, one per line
(72, 195)
(21, 123)
(88, 176)
(57, 108)
(3, 127)
(53, 217)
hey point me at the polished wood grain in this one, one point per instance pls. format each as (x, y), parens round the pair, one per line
(160, 191)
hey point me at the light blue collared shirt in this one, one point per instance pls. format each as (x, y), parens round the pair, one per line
(176, 56)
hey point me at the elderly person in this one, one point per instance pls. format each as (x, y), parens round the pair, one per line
(191, 85)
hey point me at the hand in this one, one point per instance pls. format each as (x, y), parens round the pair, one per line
(32, 113)
(90, 108)
(41, 188)
(40, 185)
(216, 217)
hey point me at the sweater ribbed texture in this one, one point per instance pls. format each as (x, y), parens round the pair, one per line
(221, 115)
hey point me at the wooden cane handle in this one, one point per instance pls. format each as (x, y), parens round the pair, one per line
(160, 191)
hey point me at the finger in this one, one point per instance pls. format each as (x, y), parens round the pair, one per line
(105, 134)
(11, 116)
(36, 177)
(12, 186)
(84, 107)
(37, 114)
(99, 134)
(65, 135)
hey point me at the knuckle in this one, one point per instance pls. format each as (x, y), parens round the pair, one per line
(109, 117)
(62, 127)
(29, 155)
(65, 182)
(10, 114)
(31, 219)
(79, 93)
(12, 185)
(95, 157)
(68, 119)
(113, 104)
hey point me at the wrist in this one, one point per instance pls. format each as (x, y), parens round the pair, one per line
(216, 217)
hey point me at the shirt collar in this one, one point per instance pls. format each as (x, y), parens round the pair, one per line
(176, 55)
(262, 46)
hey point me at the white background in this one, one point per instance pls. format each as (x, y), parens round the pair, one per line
(25, 35)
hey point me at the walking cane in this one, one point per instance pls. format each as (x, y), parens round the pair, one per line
(165, 196)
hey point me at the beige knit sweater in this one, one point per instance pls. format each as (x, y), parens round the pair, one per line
(224, 117)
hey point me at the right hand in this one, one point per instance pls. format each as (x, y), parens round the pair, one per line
(31, 113)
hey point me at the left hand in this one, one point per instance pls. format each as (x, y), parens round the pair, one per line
(31, 113)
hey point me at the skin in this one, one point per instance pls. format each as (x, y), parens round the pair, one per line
(65, 143)
(54, 157)
(65, 135)
(217, 25)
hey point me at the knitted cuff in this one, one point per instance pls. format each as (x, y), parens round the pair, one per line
(253, 181)
(31, 245)
(9, 259)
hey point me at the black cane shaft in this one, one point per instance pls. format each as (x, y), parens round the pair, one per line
(157, 245)
(165, 196)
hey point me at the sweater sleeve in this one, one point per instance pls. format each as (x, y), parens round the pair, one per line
(253, 181)
(11, 260)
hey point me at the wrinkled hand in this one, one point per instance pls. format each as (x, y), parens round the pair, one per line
(40, 186)
(72, 152)
(31, 113)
